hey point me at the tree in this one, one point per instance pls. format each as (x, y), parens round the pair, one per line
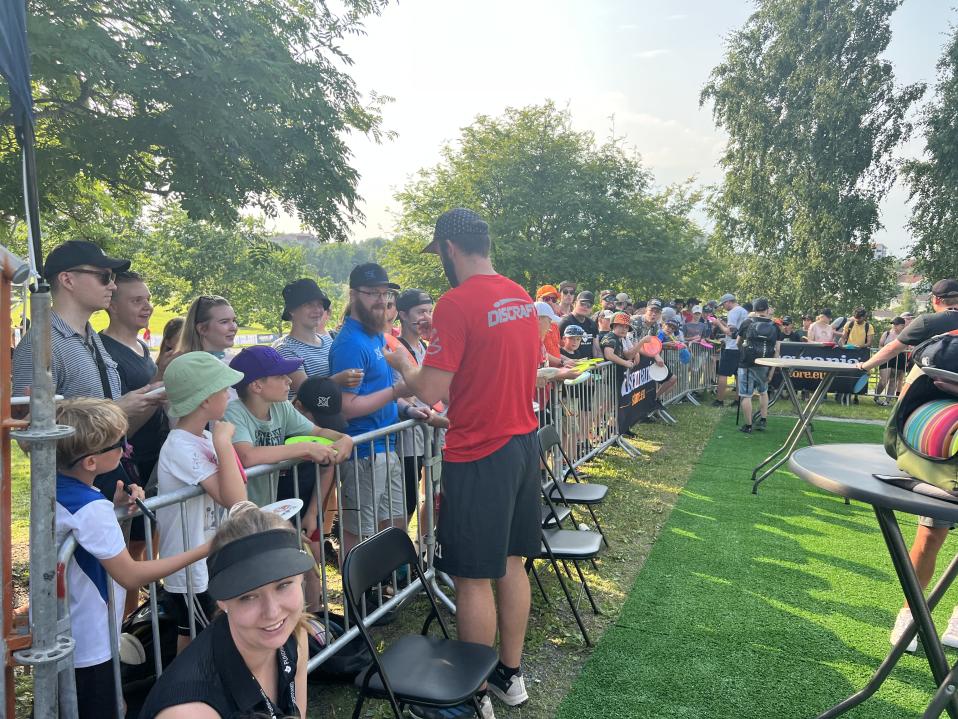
(558, 205)
(934, 180)
(217, 103)
(813, 115)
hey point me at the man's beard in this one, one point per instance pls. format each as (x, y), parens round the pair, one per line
(373, 320)
(448, 267)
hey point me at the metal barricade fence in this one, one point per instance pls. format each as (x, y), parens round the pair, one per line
(697, 374)
(399, 458)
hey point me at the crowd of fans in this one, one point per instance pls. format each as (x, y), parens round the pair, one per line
(201, 412)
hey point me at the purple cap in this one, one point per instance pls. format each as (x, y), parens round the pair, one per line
(262, 361)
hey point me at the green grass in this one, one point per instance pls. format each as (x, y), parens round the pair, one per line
(776, 605)
(19, 495)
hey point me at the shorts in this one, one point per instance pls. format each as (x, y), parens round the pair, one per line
(96, 691)
(376, 497)
(307, 472)
(728, 363)
(412, 471)
(489, 510)
(751, 380)
(935, 523)
(204, 609)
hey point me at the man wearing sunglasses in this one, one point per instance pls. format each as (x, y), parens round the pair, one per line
(567, 292)
(81, 281)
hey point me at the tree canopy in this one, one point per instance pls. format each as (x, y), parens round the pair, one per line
(558, 204)
(813, 115)
(218, 105)
(934, 179)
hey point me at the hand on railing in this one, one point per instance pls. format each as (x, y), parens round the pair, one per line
(342, 449)
(125, 497)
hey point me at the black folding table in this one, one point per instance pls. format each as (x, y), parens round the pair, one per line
(848, 470)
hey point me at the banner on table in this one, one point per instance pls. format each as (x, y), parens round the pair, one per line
(808, 379)
(636, 395)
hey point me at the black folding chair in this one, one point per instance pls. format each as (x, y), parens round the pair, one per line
(417, 668)
(564, 492)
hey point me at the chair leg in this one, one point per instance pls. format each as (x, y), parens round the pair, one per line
(531, 568)
(357, 712)
(565, 566)
(597, 525)
(571, 601)
(585, 586)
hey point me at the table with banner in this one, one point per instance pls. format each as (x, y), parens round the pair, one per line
(818, 369)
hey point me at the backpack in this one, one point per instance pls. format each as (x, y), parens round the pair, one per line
(346, 664)
(760, 338)
(941, 352)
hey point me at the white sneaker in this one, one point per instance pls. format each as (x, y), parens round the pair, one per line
(902, 621)
(512, 692)
(950, 637)
(486, 706)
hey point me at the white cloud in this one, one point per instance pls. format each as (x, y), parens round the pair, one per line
(649, 54)
(677, 17)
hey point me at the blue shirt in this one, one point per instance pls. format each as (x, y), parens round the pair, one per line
(353, 348)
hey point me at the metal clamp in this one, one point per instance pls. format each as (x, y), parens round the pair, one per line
(30, 434)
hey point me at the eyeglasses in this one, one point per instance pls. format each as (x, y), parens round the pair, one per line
(388, 296)
(550, 298)
(569, 291)
(119, 444)
(105, 276)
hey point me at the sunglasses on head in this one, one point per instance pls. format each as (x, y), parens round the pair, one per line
(106, 276)
(119, 444)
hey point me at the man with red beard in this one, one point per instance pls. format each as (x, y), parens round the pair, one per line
(375, 501)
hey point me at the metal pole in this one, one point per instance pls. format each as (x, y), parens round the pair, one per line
(46, 652)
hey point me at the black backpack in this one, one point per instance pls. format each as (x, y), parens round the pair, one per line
(760, 337)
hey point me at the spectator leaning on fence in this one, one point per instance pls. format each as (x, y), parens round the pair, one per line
(372, 487)
(307, 307)
(931, 533)
(550, 296)
(489, 516)
(581, 315)
(758, 338)
(197, 385)
(82, 510)
(252, 661)
(81, 281)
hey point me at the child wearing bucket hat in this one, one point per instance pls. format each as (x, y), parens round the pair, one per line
(197, 386)
(264, 418)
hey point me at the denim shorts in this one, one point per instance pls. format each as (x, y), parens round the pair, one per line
(752, 380)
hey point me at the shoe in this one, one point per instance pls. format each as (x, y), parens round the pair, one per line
(466, 709)
(511, 691)
(745, 429)
(950, 637)
(902, 621)
(331, 551)
(630, 434)
(761, 424)
(718, 403)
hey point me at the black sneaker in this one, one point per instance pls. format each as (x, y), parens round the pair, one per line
(761, 424)
(718, 403)
(745, 429)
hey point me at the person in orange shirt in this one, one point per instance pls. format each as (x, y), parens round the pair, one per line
(552, 341)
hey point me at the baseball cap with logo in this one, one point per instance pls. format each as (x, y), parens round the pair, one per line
(544, 310)
(945, 288)
(654, 304)
(74, 253)
(455, 225)
(369, 274)
(547, 291)
(573, 331)
(261, 361)
(323, 399)
(412, 298)
(192, 378)
(585, 296)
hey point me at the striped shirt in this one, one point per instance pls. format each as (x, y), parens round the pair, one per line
(73, 365)
(315, 357)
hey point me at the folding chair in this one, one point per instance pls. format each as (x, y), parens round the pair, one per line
(417, 668)
(564, 492)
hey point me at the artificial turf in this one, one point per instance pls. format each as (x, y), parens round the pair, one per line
(775, 605)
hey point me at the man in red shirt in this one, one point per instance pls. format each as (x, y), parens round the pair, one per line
(483, 357)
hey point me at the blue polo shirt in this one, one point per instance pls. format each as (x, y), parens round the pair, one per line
(353, 348)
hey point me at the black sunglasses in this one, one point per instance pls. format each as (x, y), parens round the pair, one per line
(119, 444)
(105, 276)
(569, 291)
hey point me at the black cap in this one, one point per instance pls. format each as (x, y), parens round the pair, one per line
(585, 295)
(299, 292)
(827, 311)
(411, 298)
(760, 305)
(80, 252)
(787, 320)
(323, 399)
(945, 288)
(654, 303)
(369, 274)
(255, 561)
(457, 224)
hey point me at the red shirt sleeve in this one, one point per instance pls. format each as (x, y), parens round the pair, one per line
(448, 342)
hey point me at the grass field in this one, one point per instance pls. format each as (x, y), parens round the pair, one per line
(775, 605)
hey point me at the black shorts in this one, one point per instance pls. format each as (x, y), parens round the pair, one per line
(205, 609)
(728, 363)
(489, 510)
(285, 489)
(412, 471)
(96, 693)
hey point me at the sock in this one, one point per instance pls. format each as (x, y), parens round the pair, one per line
(506, 672)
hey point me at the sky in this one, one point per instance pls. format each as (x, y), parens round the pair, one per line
(635, 65)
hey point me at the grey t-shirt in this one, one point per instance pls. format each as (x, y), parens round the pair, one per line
(736, 316)
(284, 421)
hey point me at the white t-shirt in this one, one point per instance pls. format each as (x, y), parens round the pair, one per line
(185, 461)
(736, 316)
(83, 510)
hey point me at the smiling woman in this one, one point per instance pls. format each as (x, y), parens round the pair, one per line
(252, 657)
